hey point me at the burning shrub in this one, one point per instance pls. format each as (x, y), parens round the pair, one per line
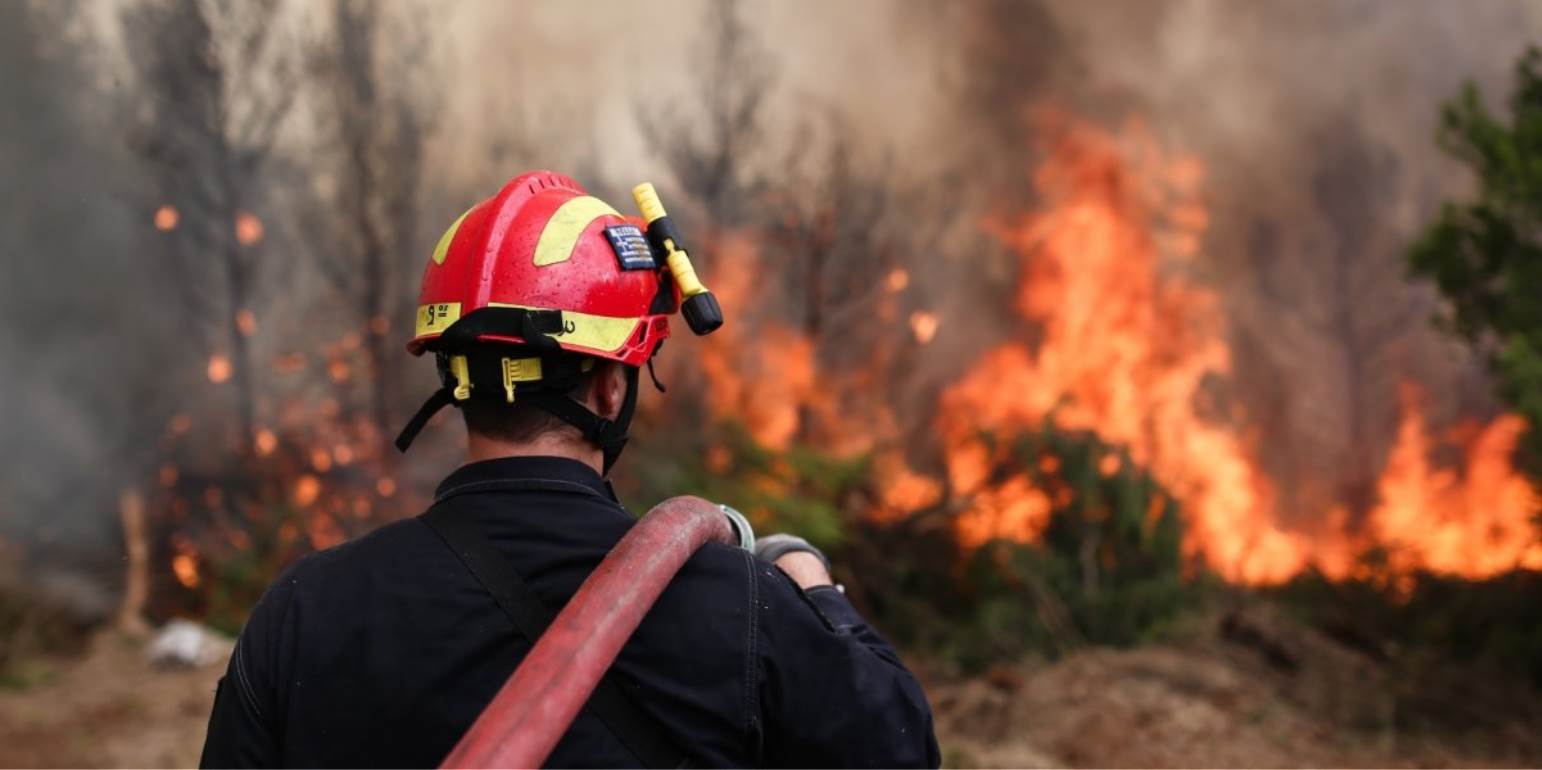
(1107, 566)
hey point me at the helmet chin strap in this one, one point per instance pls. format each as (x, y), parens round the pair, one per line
(609, 435)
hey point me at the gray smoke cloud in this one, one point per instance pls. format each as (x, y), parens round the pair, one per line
(1314, 121)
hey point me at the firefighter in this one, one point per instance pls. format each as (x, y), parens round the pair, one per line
(540, 306)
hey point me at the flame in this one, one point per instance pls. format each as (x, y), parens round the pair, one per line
(766, 382)
(338, 370)
(903, 490)
(1126, 346)
(1015, 510)
(1473, 521)
(266, 442)
(185, 567)
(166, 218)
(246, 322)
(306, 489)
(248, 229)
(289, 363)
(923, 326)
(184, 563)
(219, 368)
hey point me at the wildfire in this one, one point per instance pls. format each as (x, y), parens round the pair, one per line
(1126, 346)
(1475, 520)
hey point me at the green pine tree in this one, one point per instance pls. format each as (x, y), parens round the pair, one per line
(1485, 254)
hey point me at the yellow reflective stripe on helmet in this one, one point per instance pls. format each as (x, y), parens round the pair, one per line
(442, 249)
(596, 332)
(566, 224)
(436, 317)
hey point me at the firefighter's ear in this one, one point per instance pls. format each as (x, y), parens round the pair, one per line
(608, 390)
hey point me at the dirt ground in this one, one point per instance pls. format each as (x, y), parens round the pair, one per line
(109, 708)
(1254, 691)
(1269, 696)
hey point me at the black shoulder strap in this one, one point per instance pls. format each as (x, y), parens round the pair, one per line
(634, 729)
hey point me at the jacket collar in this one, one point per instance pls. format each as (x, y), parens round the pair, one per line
(486, 475)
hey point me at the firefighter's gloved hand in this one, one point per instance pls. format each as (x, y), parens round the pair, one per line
(805, 564)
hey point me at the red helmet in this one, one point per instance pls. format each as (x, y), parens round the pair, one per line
(528, 286)
(544, 243)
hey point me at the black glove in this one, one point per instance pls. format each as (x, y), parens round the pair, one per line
(773, 547)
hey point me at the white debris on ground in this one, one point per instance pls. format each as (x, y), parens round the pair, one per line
(185, 644)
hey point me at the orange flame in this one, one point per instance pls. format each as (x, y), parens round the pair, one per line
(266, 442)
(246, 322)
(219, 368)
(166, 218)
(1126, 347)
(923, 326)
(248, 229)
(1473, 521)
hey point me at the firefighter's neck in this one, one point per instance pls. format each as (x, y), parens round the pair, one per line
(554, 444)
(604, 396)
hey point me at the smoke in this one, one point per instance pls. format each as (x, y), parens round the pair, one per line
(82, 330)
(1314, 122)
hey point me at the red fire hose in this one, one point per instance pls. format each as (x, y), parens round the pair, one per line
(524, 721)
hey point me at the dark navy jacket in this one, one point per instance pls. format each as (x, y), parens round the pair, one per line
(380, 652)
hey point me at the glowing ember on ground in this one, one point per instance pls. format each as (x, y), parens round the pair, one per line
(219, 368)
(385, 487)
(379, 325)
(166, 218)
(897, 280)
(923, 325)
(248, 229)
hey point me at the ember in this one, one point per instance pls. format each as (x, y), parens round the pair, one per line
(218, 369)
